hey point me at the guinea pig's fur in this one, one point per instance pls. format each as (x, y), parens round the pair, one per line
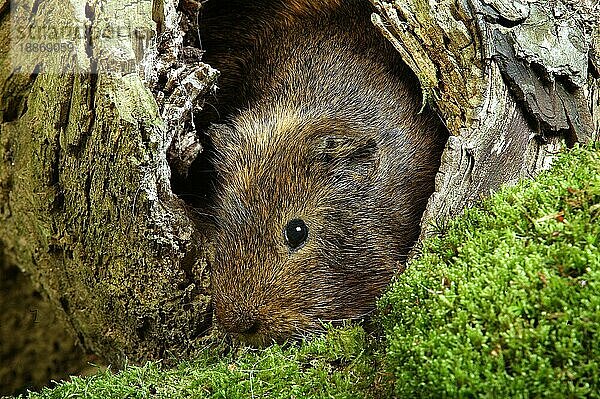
(320, 122)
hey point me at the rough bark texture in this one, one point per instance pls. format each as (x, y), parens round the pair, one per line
(86, 208)
(511, 80)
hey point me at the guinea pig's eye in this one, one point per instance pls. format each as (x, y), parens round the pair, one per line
(296, 233)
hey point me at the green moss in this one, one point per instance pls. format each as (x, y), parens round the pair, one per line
(505, 304)
(337, 366)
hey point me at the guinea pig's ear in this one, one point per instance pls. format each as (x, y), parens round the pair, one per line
(335, 149)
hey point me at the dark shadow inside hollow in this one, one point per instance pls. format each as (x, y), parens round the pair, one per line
(196, 187)
(196, 184)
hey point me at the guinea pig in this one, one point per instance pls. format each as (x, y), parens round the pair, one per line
(325, 160)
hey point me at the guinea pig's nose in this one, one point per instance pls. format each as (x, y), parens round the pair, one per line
(251, 329)
(245, 325)
(238, 321)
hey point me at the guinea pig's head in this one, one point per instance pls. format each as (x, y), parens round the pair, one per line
(304, 229)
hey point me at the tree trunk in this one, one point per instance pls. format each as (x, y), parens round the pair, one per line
(86, 207)
(34, 346)
(514, 81)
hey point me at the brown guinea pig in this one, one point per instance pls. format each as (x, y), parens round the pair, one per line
(325, 162)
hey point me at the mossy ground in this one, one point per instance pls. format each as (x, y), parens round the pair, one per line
(505, 303)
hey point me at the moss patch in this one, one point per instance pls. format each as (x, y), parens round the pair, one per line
(338, 366)
(506, 303)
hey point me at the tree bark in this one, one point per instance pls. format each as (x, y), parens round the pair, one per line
(509, 78)
(86, 206)
(34, 346)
